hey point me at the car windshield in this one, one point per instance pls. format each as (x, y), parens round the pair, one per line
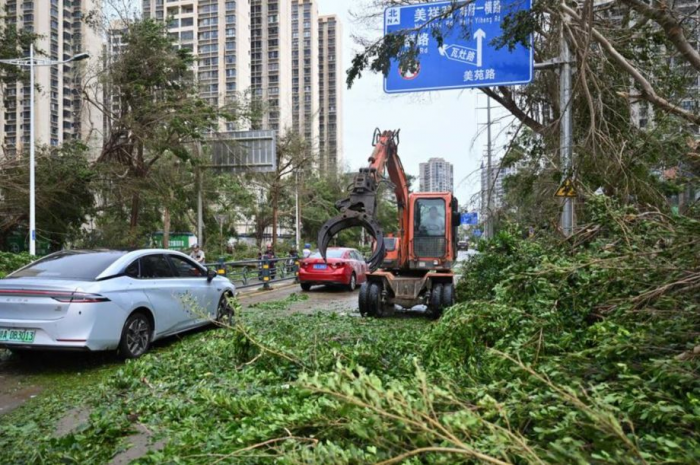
(75, 265)
(330, 254)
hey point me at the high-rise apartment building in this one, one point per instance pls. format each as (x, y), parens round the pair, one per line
(330, 94)
(60, 113)
(282, 50)
(305, 66)
(113, 48)
(437, 175)
(218, 34)
(271, 61)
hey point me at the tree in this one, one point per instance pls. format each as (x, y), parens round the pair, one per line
(64, 196)
(159, 113)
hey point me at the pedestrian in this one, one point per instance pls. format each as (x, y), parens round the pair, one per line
(197, 254)
(293, 252)
(270, 255)
(307, 250)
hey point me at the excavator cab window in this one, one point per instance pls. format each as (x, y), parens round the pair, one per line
(429, 228)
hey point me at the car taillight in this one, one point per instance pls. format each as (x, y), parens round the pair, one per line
(80, 298)
(338, 265)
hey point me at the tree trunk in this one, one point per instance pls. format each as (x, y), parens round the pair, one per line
(166, 227)
(275, 214)
(167, 221)
(135, 207)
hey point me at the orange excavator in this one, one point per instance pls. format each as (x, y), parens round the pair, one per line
(415, 267)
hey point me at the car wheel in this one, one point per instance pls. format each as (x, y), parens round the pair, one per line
(353, 283)
(224, 313)
(136, 336)
(436, 301)
(306, 287)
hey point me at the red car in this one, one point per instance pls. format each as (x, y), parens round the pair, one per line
(345, 266)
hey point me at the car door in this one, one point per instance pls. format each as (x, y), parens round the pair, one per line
(202, 297)
(165, 292)
(360, 266)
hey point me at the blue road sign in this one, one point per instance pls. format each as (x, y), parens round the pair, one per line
(477, 233)
(470, 219)
(466, 58)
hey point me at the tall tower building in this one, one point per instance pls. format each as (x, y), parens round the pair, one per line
(60, 113)
(271, 61)
(436, 175)
(218, 34)
(305, 66)
(330, 94)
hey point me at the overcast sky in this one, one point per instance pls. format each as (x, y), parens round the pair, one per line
(437, 124)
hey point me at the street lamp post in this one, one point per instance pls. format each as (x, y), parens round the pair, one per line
(31, 63)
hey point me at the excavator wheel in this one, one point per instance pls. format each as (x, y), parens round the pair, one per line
(435, 306)
(374, 300)
(364, 290)
(448, 295)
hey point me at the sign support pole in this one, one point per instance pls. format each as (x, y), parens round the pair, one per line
(489, 177)
(566, 129)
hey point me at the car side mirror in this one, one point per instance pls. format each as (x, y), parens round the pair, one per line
(211, 274)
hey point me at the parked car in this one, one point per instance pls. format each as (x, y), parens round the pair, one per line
(345, 266)
(108, 300)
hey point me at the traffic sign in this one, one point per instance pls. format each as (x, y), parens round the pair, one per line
(477, 233)
(467, 58)
(567, 189)
(469, 219)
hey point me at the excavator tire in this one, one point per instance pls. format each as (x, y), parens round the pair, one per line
(436, 301)
(448, 295)
(364, 290)
(374, 300)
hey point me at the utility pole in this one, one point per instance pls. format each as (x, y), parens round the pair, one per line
(566, 128)
(489, 177)
(298, 213)
(32, 199)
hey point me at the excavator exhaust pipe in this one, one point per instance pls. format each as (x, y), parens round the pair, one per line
(351, 219)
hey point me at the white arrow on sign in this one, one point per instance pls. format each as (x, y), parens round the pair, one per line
(479, 35)
(463, 54)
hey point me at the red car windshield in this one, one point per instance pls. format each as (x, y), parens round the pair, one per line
(329, 254)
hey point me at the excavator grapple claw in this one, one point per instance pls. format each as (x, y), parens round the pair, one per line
(351, 219)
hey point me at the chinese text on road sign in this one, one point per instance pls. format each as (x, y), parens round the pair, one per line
(467, 57)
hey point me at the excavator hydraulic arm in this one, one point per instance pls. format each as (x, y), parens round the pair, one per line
(360, 208)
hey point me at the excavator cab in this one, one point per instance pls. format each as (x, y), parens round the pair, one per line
(432, 233)
(415, 267)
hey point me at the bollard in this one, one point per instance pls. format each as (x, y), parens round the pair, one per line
(266, 274)
(296, 271)
(221, 268)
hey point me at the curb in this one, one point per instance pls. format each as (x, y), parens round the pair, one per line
(245, 293)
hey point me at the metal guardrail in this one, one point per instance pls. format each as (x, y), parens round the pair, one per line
(254, 273)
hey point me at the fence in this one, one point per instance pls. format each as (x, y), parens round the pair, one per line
(253, 273)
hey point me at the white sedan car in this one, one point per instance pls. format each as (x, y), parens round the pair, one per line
(107, 300)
